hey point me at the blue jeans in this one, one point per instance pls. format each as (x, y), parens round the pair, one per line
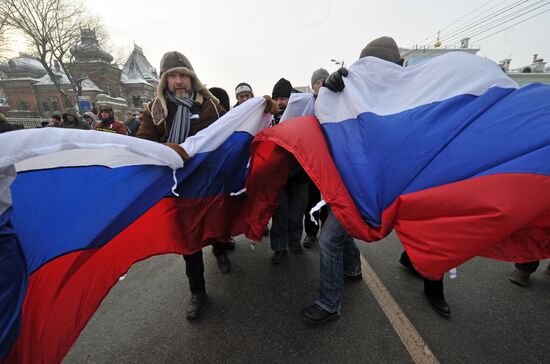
(339, 256)
(287, 223)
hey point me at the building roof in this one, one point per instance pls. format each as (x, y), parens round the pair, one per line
(88, 50)
(23, 65)
(137, 69)
(46, 79)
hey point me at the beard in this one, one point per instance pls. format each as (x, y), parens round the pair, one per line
(181, 93)
(108, 119)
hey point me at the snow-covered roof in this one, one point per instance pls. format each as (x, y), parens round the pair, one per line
(46, 80)
(137, 68)
(88, 50)
(23, 63)
(89, 85)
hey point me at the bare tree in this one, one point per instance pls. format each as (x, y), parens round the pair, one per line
(51, 27)
(4, 46)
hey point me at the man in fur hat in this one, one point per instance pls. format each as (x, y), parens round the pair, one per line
(184, 106)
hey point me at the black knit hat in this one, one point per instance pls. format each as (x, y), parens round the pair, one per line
(56, 117)
(384, 48)
(283, 88)
(174, 59)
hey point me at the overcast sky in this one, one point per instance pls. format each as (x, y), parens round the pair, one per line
(259, 42)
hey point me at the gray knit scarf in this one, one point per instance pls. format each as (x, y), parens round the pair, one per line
(181, 123)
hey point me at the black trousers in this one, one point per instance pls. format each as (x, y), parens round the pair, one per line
(194, 268)
(314, 196)
(529, 267)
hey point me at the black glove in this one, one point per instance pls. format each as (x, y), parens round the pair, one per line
(334, 81)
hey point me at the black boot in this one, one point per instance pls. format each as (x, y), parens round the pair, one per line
(223, 263)
(434, 292)
(196, 306)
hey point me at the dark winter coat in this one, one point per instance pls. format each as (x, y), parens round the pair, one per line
(76, 124)
(132, 126)
(207, 110)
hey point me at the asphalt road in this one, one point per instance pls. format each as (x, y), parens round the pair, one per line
(254, 314)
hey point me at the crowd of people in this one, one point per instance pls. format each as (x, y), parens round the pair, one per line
(102, 119)
(184, 106)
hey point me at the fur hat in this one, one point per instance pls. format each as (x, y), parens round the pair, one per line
(283, 88)
(174, 59)
(243, 87)
(107, 108)
(176, 62)
(384, 48)
(320, 74)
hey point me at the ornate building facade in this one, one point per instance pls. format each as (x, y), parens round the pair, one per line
(29, 91)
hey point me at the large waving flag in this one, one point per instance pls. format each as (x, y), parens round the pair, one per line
(84, 206)
(449, 153)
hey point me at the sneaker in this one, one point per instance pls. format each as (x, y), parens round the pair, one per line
(315, 314)
(309, 240)
(519, 277)
(278, 257)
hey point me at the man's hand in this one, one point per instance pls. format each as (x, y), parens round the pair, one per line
(270, 106)
(334, 82)
(178, 149)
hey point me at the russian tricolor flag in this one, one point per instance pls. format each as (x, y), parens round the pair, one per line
(84, 206)
(449, 153)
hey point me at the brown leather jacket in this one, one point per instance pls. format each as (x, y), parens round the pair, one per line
(207, 109)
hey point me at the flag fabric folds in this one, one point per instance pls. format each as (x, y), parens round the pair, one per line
(85, 206)
(449, 153)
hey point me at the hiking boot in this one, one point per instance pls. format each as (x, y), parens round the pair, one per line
(519, 277)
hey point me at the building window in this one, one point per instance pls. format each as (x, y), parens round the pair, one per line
(137, 101)
(22, 105)
(55, 105)
(45, 106)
